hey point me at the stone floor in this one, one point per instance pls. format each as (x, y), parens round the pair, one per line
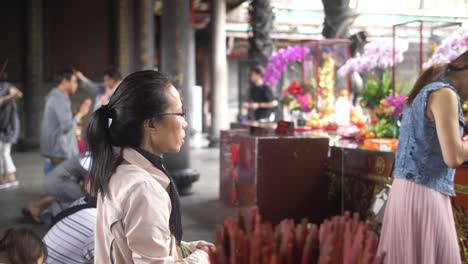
(202, 211)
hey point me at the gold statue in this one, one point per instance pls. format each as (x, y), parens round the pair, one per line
(327, 83)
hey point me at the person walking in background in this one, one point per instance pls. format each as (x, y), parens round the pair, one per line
(58, 133)
(22, 246)
(261, 99)
(418, 224)
(111, 77)
(138, 206)
(9, 130)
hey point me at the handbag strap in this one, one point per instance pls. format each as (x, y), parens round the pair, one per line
(91, 203)
(392, 168)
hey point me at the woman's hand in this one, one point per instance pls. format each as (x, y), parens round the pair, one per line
(16, 93)
(205, 246)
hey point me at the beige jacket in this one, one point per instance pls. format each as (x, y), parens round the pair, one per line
(133, 220)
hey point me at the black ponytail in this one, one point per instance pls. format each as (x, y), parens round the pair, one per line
(100, 145)
(139, 97)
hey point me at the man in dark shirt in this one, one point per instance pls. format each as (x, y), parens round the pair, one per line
(261, 101)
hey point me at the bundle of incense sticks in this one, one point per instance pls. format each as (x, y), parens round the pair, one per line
(342, 239)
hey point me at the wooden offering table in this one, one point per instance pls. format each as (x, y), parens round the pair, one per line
(357, 175)
(282, 175)
(305, 175)
(460, 209)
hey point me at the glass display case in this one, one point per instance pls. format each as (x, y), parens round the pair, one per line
(319, 69)
(423, 38)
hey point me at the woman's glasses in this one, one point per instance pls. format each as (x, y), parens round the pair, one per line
(182, 114)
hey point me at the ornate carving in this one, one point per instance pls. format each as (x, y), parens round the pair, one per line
(380, 165)
(146, 34)
(461, 189)
(460, 216)
(261, 23)
(362, 183)
(338, 18)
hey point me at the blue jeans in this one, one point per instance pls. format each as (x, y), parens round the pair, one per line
(48, 167)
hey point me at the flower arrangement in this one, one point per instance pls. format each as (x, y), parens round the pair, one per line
(451, 47)
(298, 97)
(391, 107)
(378, 53)
(279, 61)
(388, 114)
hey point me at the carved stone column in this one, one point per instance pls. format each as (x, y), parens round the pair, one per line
(176, 55)
(125, 36)
(145, 27)
(35, 91)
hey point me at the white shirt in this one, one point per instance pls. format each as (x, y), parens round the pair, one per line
(71, 240)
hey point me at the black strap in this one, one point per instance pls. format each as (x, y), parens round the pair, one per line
(71, 210)
(175, 219)
(393, 167)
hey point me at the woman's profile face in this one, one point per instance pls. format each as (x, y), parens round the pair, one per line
(171, 127)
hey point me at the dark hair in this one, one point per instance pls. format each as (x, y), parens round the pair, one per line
(65, 74)
(358, 41)
(139, 97)
(22, 246)
(113, 73)
(436, 72)
(258, 70)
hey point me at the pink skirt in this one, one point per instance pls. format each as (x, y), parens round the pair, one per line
(418, 226)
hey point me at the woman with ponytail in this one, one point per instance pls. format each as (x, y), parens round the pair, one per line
(418, 225)
(138, 207)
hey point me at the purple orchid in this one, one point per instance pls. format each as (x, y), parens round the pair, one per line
(451, 47)
(279, 61)
(378, 53)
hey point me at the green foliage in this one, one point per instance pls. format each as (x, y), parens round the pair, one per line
(384, 129)
(375, 91)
